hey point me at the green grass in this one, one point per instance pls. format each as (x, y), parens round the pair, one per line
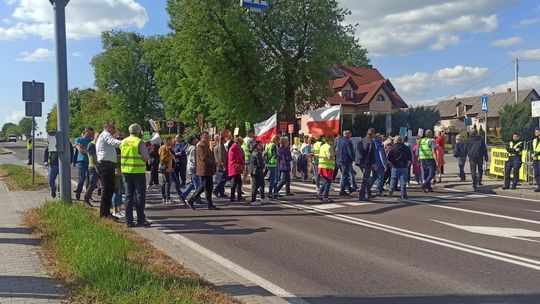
(99, 258)
(20, 177)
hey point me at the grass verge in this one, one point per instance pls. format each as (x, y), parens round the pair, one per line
(19, 177)
(103, 262)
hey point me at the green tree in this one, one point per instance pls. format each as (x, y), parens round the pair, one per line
(517, 119)
(25, 125)
(182, 98)
(123, 72)
(422, 117)
(52, 122)
(249, 65)
(10, 128)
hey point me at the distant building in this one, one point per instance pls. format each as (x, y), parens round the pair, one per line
(454, 111)
(360, 90)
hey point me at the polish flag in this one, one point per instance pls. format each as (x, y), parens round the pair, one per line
(266, 130)
(324, 121)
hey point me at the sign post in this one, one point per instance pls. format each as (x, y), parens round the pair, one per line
(34, 94)
(485, 110)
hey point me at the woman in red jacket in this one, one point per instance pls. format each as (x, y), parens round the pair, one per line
(236, 167)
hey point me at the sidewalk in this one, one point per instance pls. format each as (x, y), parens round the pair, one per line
(491, 185)
(22, 279)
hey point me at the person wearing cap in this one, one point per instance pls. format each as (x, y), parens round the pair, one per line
(513, 164)
(134, 155)
(365, 159)
(477, 153)
(382, 164)
(426, 154)
(535, 155)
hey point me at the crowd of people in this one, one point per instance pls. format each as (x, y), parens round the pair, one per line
(117, 167)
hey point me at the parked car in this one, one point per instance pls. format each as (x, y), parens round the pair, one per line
(2, 139)
(12, 138)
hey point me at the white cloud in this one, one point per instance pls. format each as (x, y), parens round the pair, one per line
(527, 22)
(507, 42)
(40, 54)
(389, 27)
(10, 2)
(525, 54)
(76, 54)
(418, 84)
(14, 117)
(83, 18)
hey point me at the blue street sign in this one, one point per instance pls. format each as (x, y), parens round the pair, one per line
(484, 104)
(255, 5)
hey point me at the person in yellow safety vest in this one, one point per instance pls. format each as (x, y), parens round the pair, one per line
(29, 145)
(513, 164)
(426, 154)
(327, 163)
(316, 150)
(134, 155)
(535, 154)
(271, 157)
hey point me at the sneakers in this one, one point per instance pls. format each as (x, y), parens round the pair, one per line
(404, 197)
(265, 201)
(168, 202)
(256, 203)
(53, 194)
(117, 215)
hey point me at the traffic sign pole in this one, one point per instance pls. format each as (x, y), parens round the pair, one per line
(64, 154)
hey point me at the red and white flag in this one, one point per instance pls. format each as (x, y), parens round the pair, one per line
(266, 130)
(324, 121)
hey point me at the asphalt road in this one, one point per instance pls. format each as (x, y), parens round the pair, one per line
(445, 247)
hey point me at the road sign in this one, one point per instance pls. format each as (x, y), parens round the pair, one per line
(169, 124)
(282, 126)
(467, 122)
(33, 109)
(33, 91)
(535, 107)
(258, 6)
(484, 103)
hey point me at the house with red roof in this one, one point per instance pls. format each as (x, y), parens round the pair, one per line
(360, 90)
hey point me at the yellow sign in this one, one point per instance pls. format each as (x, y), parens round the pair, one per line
(499, 156)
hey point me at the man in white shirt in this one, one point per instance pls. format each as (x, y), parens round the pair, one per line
(106, 160)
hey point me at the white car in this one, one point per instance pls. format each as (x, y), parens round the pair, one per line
(12, 138)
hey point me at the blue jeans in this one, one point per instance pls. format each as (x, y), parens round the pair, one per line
(317, 177)
(430, 169)
(135, 187)
(461, 165)
(118, 190)
(166, 186)
(272, 182)
(194, 183)
(401, 174)
(94, 177)
(52, 173)
(324, 191)
(352, 174)
(285, 181)
(345, 181)
(82, 171)
(221, 178)
(378, 180)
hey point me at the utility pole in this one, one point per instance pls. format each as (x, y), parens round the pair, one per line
(64, 153)
(517, 79)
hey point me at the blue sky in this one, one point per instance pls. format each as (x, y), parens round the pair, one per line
(429, 49)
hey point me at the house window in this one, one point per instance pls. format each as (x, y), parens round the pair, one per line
(347, 94)
(379, 98)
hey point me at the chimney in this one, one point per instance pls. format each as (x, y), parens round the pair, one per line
(509, 90)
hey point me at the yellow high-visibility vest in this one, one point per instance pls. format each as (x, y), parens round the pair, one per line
(424, 151)
(327, 159)
(130, 157)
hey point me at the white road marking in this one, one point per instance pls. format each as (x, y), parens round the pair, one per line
(329, 206)
(534, 210)
(493, 254)
(511, 233)
(357, 204)
(274, 289)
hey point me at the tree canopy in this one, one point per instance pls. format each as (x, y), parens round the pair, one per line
(517, 119)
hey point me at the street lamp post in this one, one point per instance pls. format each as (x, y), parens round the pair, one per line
(64, 153)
